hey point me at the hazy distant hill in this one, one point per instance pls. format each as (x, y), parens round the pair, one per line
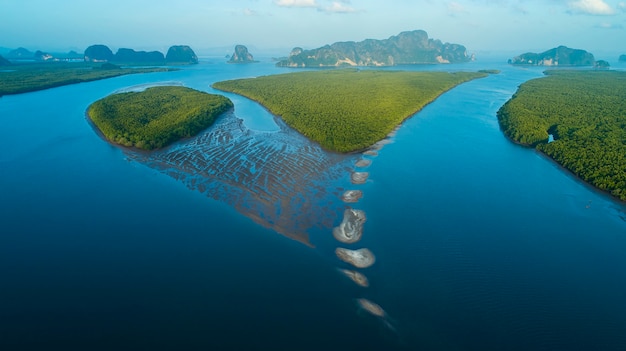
(559, 56)
(20, 54)
(98, 53)
(622, 58)
(241, 55)
(130, 55)
(181, 54)
(412, 47)
(4, 62)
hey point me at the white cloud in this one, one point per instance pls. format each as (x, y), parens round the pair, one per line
(606, 25)
(622, 6)
(455, 8)
(250, 12)
(296, 3)
(339, 7)
(591, 7)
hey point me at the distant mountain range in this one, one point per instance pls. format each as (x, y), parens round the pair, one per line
(413, 47)
(559, 56)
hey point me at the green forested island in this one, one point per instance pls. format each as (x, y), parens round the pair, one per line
(585, 112)
(559, 56)
(346, 110)
(156, 116)
(27, 77)
(406, 48)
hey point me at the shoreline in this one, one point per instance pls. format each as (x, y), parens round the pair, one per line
(566, 170)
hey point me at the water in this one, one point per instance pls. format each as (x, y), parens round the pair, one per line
(480, 243)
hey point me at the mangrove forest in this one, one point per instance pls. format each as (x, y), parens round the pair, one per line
(157, 116)
(585, 113)
(27, 77)
(346, 110)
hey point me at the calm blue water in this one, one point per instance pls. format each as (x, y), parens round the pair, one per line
(480, 244)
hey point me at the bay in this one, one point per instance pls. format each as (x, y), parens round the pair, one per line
(479, 243)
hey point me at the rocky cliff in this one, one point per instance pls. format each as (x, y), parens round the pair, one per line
(559, 56)
(181, 54)
(130, 55)
(412, 47)
(241, 55)
(98, 53)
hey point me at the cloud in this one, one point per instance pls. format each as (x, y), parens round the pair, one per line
(296, 3)
(591, 7)
(622, 6)
(606, 25)
(455, 8)
(250, 12)
(339, 7)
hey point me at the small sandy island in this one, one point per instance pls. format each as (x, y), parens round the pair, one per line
(371, 307)
(361, 258)
(351, 228)
(356, 277)
(359, 177)
(352, 195)
(362, 163)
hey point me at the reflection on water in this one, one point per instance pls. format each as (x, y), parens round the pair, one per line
(278, 179)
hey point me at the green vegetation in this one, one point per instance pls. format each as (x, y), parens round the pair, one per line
(346, 110)
(156, 116)
(585, 111)
(406, 48)
(29, 77)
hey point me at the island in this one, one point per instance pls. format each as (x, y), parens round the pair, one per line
(350, 229)
(411, 47)
(346, 110)
(157, 116)
(577, 118)
(176, 55)
(125, 55)
(181, 55)
(241, 55)
(622, 58)
(361, 258)
(559, 56)
(98, 53)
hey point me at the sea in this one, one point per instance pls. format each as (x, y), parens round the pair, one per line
(224, 241)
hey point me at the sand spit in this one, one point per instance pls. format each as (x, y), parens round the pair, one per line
(371, 307)
(351, 227)
(356, 277)
(278, 179)
(361, 258)
(362, 163)
(351, 195)
(370, 153)
(359, 177)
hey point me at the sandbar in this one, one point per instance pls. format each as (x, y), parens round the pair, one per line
(351, 227)
(371, 307)
(359, 177)
(361, 258)
(357, 277)
(352, 195)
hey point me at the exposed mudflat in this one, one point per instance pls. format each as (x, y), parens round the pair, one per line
(361, 258)
(350, 229)
(278, 179)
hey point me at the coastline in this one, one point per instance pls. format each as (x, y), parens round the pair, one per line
(565, 169)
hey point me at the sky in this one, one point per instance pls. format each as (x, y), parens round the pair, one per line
(276, 26)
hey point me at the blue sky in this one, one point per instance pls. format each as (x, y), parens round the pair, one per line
(278, 25)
